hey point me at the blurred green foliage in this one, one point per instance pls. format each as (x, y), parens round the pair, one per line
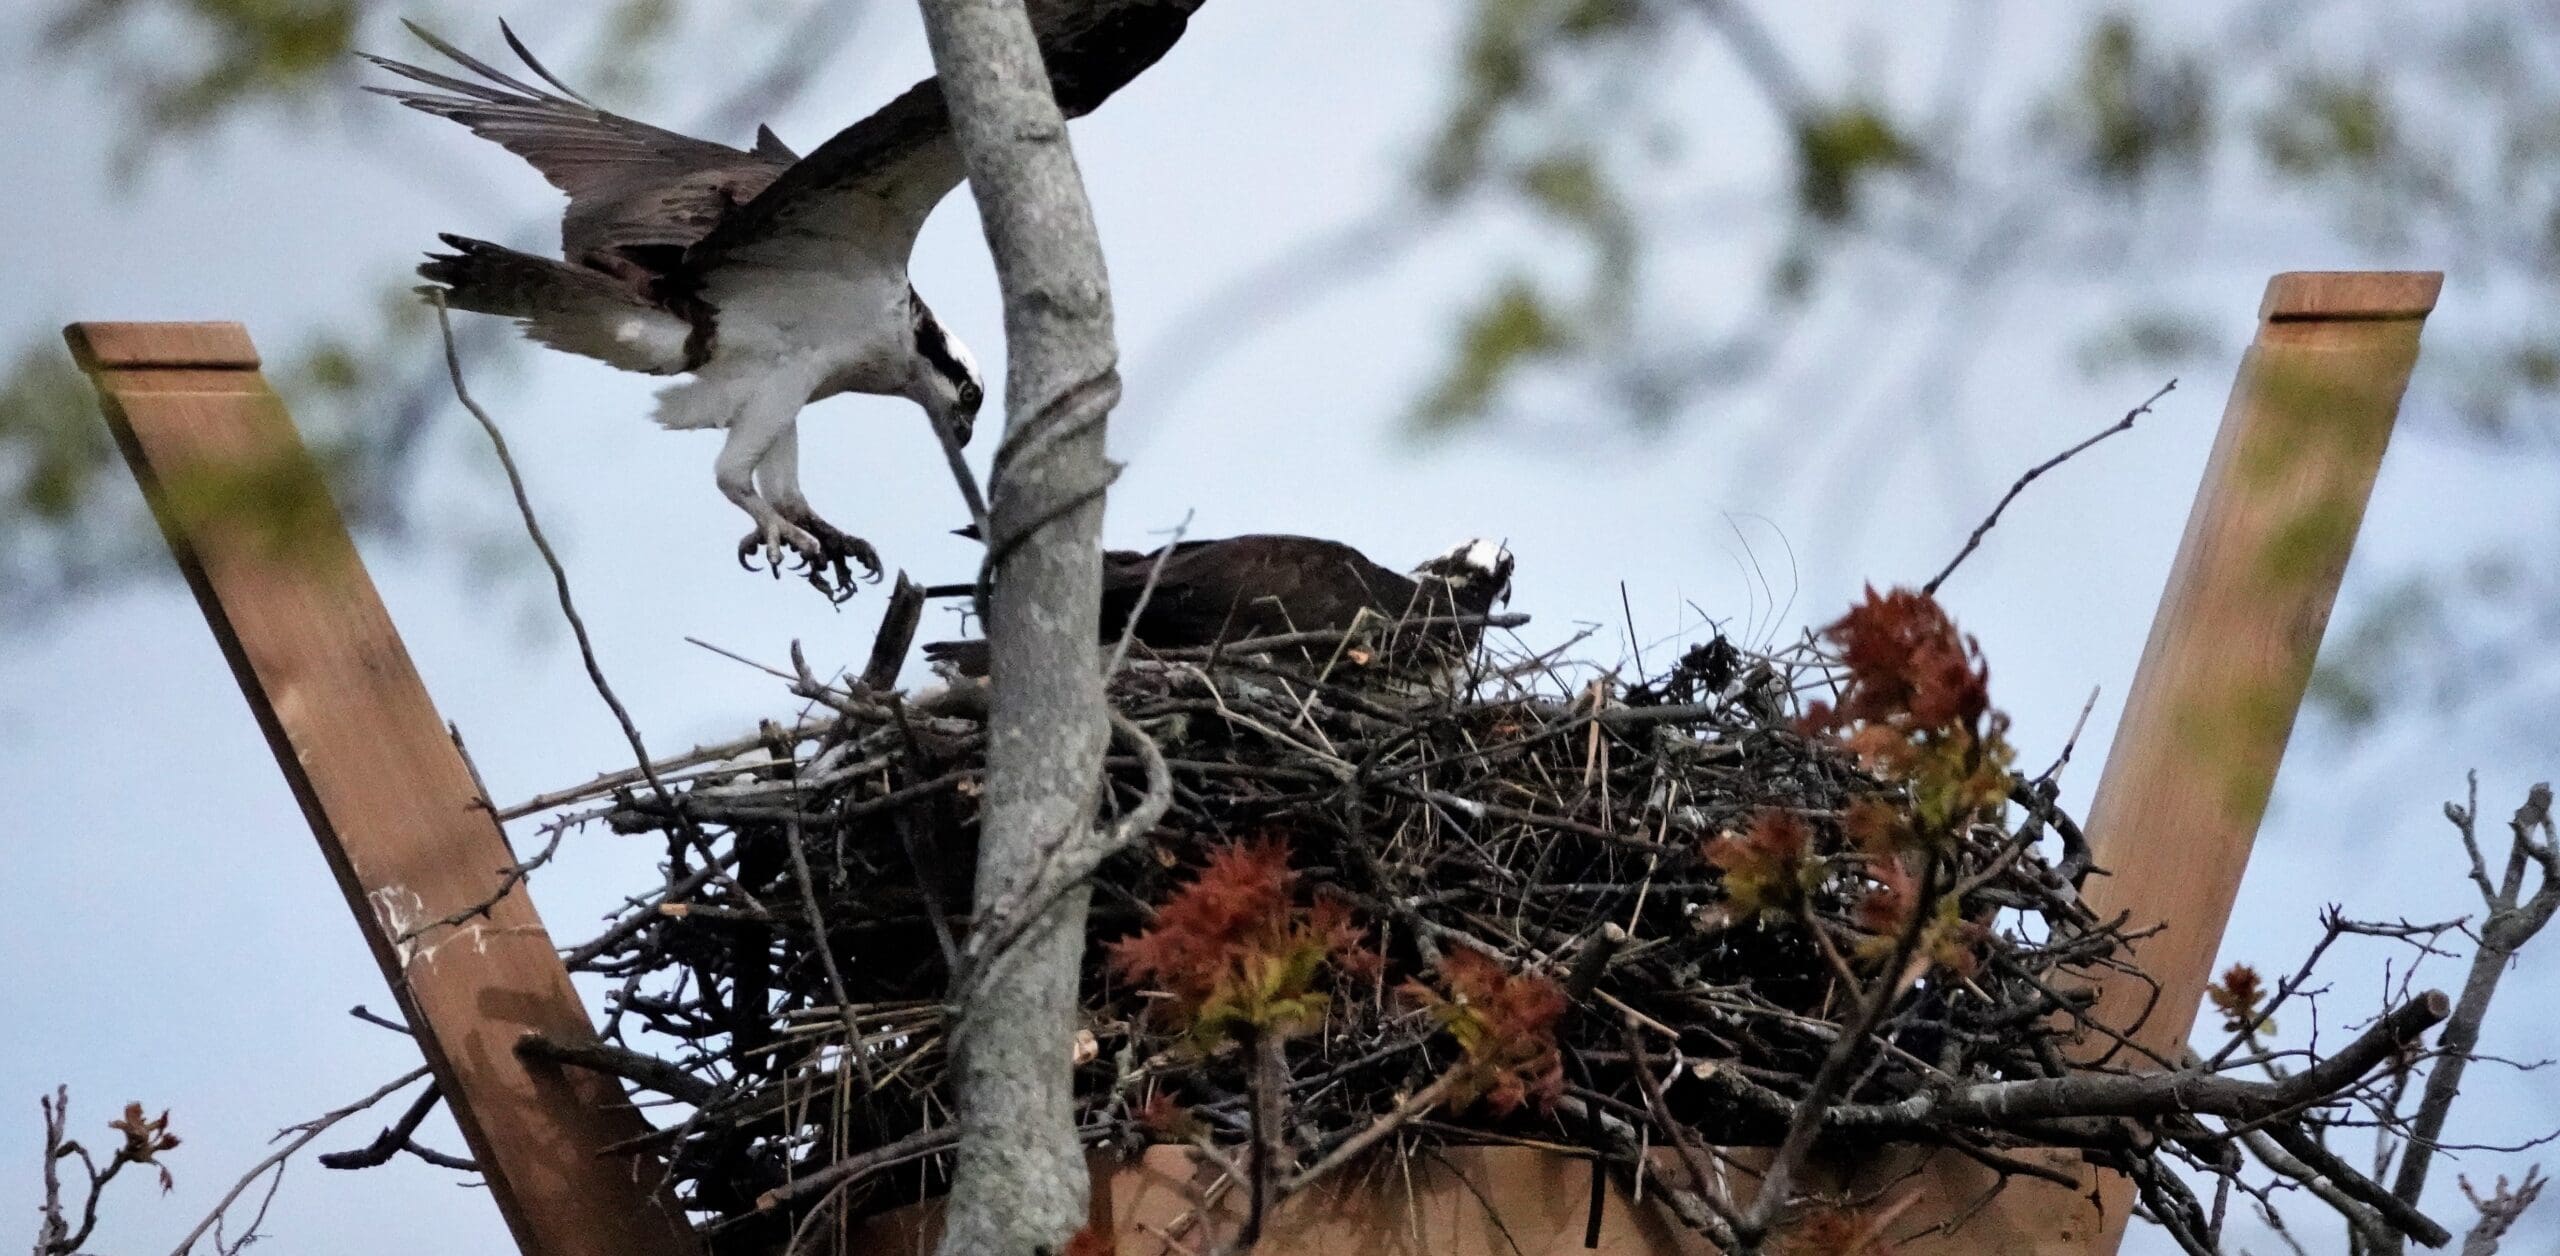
(2425, 133)
(241, 53)
(2327, 123)
(71, 521)
(2131, 111)
(2417, 133)
(1839, 149)
(2419, 136)
(238, 56)
(1509, 65)
(364, 393)
(55, 447)
(1513, 328)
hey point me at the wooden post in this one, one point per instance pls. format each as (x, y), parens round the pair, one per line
(2232, 647)
(386, 791)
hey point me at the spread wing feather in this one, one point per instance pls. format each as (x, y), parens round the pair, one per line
(870, 187)
(630, 184)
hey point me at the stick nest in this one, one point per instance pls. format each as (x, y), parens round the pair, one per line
(1533, 904)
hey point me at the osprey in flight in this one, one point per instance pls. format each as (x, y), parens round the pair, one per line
(775, 280)
(1247, 587)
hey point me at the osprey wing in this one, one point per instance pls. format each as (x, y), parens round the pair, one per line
(867, 191)
(629, 183)
(1247, 586)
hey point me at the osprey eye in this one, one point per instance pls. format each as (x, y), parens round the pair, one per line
(971, 395)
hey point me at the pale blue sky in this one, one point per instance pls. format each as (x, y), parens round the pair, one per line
(175, 938)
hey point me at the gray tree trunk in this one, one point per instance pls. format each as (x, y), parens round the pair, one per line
(1020, 1184)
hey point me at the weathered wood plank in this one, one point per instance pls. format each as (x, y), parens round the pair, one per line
(2232, 646)
(398, 816)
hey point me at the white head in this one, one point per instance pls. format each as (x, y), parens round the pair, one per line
(947, 380)
(1478, 571)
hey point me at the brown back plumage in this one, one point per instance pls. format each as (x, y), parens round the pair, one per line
(1267, 585)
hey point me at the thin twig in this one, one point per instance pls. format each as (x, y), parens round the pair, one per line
(275, 1160)
(559, 574)
(1146, 593)
(826, 951)
(560, 583)
(1778, 1182)
(1974, 541)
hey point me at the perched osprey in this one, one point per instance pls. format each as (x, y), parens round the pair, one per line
(1266, 585)
(774, 280)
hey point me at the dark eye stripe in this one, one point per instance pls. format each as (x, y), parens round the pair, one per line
(935, 344)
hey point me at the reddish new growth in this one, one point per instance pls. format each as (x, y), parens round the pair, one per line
(144, 1139)
(1887, 908)
(1237, 953)
(1168, 1120)
(1768, 867)
(1948, 939)
(1505, 1022)
(1915, 704)
(2238, 997)
(1908, 668)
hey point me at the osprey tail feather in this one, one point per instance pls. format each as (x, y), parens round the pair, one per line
(570, 308)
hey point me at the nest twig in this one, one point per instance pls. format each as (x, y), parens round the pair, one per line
(1542, 814)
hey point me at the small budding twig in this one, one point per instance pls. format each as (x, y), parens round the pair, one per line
(2500, 1211)
(54, 1235)
(303, 1135)
(397, 1137)
(1974, 541)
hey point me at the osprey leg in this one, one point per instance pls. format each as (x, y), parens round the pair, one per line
(753, 432)
(778, 482)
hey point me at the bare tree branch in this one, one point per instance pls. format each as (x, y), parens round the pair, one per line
(619, 1062)
(275, 1161)
(2498, 1213)
(1019, 1183)
(2513, 919)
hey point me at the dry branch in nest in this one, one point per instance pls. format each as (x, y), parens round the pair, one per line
(1756, 900)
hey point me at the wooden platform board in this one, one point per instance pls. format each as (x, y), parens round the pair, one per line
(399, 819)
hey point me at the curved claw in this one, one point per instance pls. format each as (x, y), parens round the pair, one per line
(840, 591)
(773, 542)
(837, 550)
